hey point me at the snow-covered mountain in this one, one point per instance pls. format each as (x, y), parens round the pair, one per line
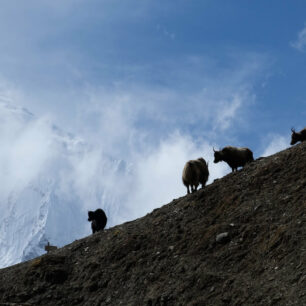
(49, 179)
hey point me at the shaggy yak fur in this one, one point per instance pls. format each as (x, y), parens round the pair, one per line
(98, 220)
(297, 136)
(195, 172)
(234, 157)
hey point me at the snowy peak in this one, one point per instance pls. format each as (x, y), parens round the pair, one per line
(50, 179)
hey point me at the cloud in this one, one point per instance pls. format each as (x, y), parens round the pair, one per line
(154, 136)
(53, 51)
(157, 175)
(119, 163)
(148, 129)
(192, 101)
(165, 32)
(25, 144)
(152, 115)
(275, 143)
(130, 189)
(231, 107)
(136, 179)
(300, 42)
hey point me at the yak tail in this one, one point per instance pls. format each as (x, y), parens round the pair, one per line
(251, 157)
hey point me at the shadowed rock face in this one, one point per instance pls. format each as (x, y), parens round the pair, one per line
(240, 241)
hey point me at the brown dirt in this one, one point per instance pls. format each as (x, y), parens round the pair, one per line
(171, 256)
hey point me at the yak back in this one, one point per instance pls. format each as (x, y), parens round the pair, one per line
(190, 173)
(237, 157)
(203, 170)
(195, 172)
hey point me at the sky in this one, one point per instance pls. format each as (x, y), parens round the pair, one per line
(153, 83)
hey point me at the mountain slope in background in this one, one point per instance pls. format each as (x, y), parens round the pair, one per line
(240, 241)
(41, 198)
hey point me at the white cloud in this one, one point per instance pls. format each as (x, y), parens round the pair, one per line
(275, 143)
(152, 167)
(133, 114)
(230, 108)
(25, 148)
(157, 175)
(165, 32)
(300, 42)
(155, 129)
(54, 52)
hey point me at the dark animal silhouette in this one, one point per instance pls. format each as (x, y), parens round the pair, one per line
(234, 157)
(50, 248)
(195, 172)
(297, 136)
(98, 220)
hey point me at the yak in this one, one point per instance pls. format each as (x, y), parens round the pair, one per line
(195, 172)
(234, 157)
(98, 220)
(298, 136)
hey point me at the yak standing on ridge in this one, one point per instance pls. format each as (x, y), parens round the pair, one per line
(297, 136)
(195, 172)
(234, 157)
(98, 220)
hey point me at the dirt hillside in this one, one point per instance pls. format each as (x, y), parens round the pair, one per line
(240, 241)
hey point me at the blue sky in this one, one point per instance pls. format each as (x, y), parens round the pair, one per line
(136, 79)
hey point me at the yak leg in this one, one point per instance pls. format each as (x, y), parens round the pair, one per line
(194, 188)
(188, 189)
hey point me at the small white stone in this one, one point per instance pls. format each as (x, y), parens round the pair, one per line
(222, 237)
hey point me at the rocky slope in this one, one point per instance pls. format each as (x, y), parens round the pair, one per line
(176, 255)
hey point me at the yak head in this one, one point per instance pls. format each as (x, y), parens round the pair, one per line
(295, 137)
(91, 216)
(218, 156)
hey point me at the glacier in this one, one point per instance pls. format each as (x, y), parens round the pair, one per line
(49, 179)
